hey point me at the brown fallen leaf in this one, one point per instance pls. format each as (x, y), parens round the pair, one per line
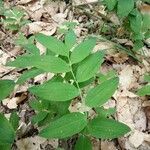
(12, 103)
(108, 145)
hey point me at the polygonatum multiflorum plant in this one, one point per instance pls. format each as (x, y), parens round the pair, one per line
(134, 22)
(76, 79)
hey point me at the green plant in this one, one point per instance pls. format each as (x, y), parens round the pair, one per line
(75, 68)
(135, 24)
(145, 90)
(8, 130)
(13, 18)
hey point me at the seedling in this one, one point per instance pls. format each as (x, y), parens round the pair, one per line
(75, 67)
(13, 18)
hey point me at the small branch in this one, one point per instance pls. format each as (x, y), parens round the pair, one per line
(80, 92)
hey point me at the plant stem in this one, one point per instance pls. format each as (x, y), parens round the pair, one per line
(75, 80)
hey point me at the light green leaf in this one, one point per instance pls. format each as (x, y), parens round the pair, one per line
(101, 93)
(135, 19)
(105, 128)
(146, 22)
(14, 120)
(145, 90)
(65, 126)
(110, 4)
(53, 44)
(147, 78)
(46, 63)
(39, 117)
(32, 49)
(138, 45)
(55, 91)
(36, 105)
(102, 112)
(89, 66)
(83, 143)
(82, 50)
(86, 83)
(6, 87)
(60, 107)
(70, 39)
(124, 7)
(7, 133)
(110, 74)
(31, 73)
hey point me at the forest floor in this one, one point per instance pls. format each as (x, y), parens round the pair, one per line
(48, 17)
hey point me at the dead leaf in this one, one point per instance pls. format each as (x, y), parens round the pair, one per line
(106, 145)
(21, 2)
(30, 143)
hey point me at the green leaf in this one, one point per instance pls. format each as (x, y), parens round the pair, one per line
(110, 74)
(110, 4)
(14, 120)
(36, 105)
(39, 117)
(135, 19)
(105, 112)
(5, 147)
(105, 128)
(60, 107)
(146, 22)
(7, 133)
(32, 49)
(89, 66)
(65, 126)
(144, 91)
(138, 45)
(31, 73)
(147, 78)
(22, 40)
(55, 91)
(46, 63)
(86, 83)
(124, 7)
(83, 143)
(70, 39)
(82, 50)
(46, 120)
(6, 87)
(101, 93)
(53, 44)
(147, 34)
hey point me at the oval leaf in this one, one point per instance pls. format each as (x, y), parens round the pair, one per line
(125, 7)
(70, 39)
(82, 50)
(29, 74)
(101, 93)
(110, 4)
(65, 126)
(83, 143)
(144, 91)
(32, 49)
(14, 120)
(135, 21)
(55, 91)
(89, 66)
(6, 87)
(105, 128)
(7, 133)
(53, 44)
(45, 62)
